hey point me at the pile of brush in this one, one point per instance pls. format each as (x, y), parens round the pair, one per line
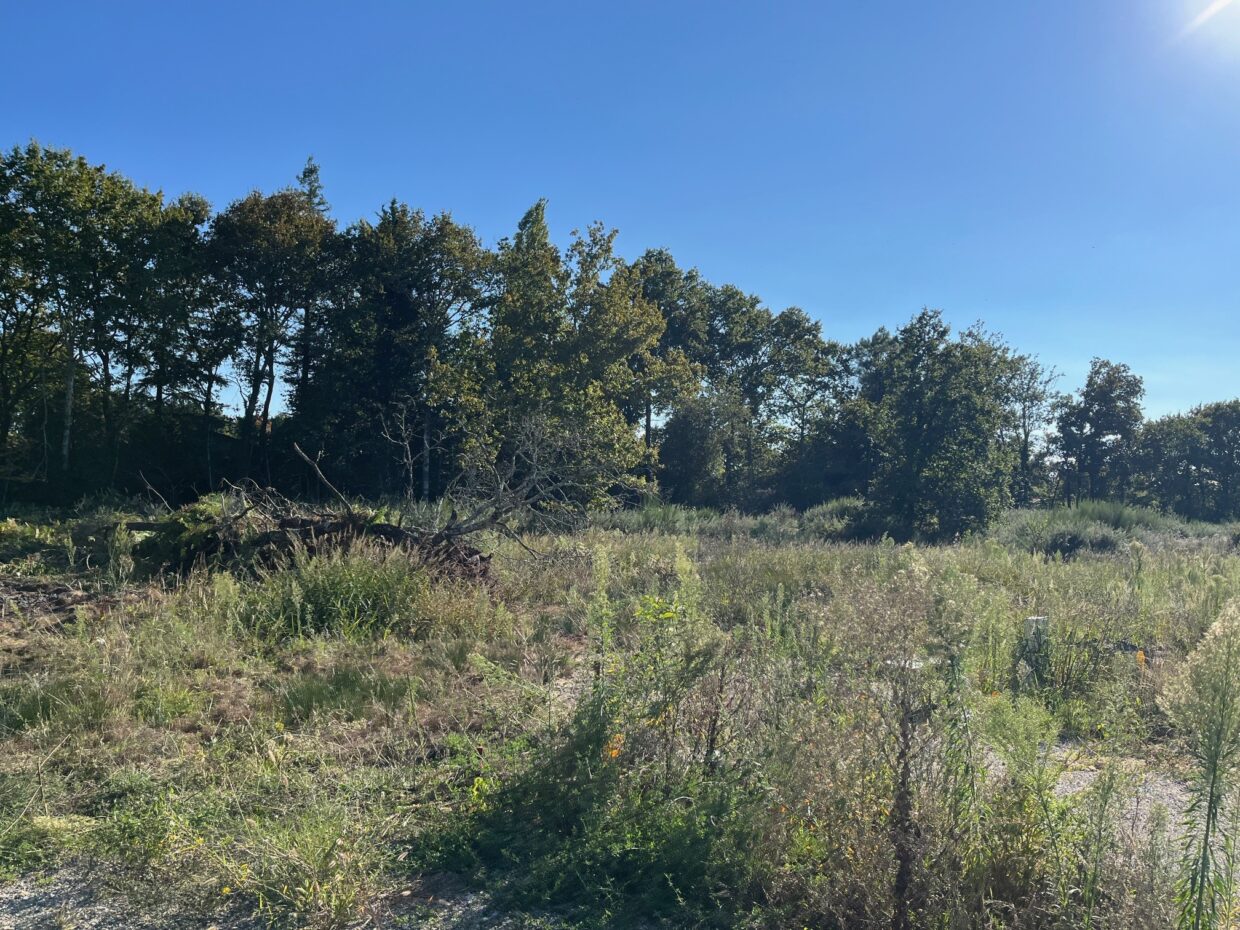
(259, 526)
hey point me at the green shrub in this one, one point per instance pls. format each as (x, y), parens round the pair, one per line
(778, 525)
(1065, 532)
(836, 519)
(1094, 526)
(1128, 517)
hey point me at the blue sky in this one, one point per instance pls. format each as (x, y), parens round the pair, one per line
(1066, 170)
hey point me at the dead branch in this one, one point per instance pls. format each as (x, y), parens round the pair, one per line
(156, 493)
(327, 484)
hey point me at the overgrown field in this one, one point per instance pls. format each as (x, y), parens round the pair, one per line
(670, 718)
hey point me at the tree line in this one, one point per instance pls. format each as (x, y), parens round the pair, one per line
(155, 342)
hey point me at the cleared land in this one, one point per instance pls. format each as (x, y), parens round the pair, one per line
(667, 718)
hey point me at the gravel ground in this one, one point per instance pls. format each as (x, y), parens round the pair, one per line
(1150, 790)
(81, 898)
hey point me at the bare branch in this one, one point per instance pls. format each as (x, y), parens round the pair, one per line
(331, 487)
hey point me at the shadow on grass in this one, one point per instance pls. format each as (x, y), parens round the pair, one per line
(606, 837)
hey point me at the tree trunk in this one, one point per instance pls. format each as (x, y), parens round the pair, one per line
(1026, 482)
(265, 422)
(303, 380)
(6, 424)
(206, 417)
(651, 471)
(109, 410)
(248, 426)
(67, 432)
(426, 454)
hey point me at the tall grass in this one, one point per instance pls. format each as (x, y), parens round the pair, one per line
(834, 520)
(1204, 701)
(696, 720)
(364, 591)
(1099, 526)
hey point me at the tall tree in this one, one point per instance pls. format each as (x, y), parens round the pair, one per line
(671, 371)
(739, 364)
(942, 466)
(807, 371)
(26, 341)
(85, 252)
(564, 329)
(1169, 461)
(1033, 405)
(1097, 428)
(399, 347)
(189, 336)
(1219, 424)
(267, 251)
(1190, 463)
(181, 307)
(702, 448)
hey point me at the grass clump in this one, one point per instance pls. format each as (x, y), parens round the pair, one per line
(348, 691)
(836, 519)
(355, 593)
(66, 702)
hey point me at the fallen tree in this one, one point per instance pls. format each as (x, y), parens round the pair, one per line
(535, 476)
(252, 525)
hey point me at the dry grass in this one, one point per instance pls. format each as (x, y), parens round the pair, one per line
(699, 729)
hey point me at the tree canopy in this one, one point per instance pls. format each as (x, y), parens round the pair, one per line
(153, 342)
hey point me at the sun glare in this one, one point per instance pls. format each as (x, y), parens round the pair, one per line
(1207, 14)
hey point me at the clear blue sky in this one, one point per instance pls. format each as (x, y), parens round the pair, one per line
(1066, 170)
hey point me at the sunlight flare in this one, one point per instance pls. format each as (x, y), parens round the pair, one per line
(1205, 16)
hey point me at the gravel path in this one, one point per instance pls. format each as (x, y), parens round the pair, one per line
(80, 898)
(1149, 790)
